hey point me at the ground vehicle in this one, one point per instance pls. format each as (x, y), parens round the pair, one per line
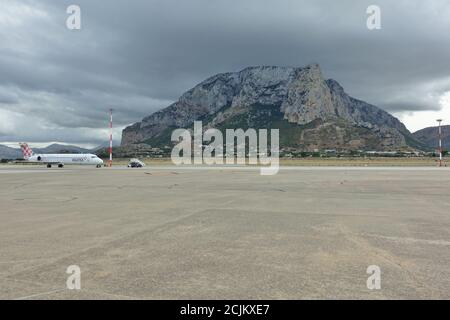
(135, 163)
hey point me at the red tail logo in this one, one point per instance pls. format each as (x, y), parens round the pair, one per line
(26, 150)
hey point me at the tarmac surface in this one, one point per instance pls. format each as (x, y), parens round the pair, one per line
(174, 233)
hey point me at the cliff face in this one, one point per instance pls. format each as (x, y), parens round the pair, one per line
(299, 100)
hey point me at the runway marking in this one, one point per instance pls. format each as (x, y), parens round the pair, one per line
(296, 168)
(237, 168)
(78, 291)
(410, 240)
(39, 294)
(6, 171)
(21, 261)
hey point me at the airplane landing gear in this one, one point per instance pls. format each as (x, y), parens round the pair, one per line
(60, 165)
(99, 166)
(49, 165)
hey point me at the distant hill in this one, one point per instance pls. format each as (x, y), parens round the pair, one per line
(310, 111)
(103, 147)
(429, 136)
(16, 153)
(9, 153)
(61, 148)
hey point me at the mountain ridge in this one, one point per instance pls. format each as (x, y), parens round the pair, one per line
(301, 96)
(16, 153)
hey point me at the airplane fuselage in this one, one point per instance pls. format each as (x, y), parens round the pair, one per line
(63, 159)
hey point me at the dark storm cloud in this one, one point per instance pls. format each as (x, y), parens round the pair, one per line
(139, 56)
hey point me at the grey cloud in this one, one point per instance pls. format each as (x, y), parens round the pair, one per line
(139, 56)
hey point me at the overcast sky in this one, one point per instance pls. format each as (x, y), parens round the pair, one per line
(139, 56)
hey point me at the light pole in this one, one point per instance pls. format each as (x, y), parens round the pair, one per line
(440, 142)
(110, 136)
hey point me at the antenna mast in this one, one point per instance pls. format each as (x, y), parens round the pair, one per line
(440, 142)
(110, 136)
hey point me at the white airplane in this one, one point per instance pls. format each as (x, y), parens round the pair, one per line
(60, 159)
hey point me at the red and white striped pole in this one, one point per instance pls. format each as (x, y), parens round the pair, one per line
(440, 142)
(110, 137)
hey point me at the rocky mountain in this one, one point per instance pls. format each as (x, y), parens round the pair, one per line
(310, 111)
(429, 136)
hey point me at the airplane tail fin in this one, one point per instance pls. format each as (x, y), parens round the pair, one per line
(26, 150)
